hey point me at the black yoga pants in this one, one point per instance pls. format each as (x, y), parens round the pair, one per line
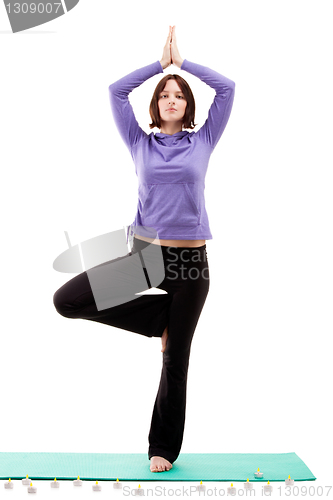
(186, 282)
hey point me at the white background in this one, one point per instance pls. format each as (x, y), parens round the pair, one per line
(260, 377)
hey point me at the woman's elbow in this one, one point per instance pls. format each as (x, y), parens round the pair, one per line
(232, 85)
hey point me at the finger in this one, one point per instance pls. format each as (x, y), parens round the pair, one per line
(168, 41)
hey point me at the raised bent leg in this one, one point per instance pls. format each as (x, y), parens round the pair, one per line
(146, 314)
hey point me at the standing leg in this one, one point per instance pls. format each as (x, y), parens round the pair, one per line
(168, 419)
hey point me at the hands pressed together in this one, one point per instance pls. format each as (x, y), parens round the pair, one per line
(170, 52)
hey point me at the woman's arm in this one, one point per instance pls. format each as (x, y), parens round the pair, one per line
(220, 109)
(122, 110)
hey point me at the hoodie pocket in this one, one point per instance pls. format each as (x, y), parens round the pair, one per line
(170, 205)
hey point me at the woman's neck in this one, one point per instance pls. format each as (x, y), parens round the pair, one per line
(170, 128)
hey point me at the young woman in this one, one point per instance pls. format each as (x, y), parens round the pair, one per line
(171, 166)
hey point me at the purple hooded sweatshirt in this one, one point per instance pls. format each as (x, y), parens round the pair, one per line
(171, 169)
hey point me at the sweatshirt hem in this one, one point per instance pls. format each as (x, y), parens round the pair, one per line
(164, 235)
(182, 237)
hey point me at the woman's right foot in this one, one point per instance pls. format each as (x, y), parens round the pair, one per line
(164, 339)
(159, 464)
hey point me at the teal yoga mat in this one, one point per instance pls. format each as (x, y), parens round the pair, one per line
(135, 467)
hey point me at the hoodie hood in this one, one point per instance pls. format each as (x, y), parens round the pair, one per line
(170, 140)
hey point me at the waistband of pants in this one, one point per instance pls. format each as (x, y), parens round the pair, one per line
(175, 254)
(141, 244)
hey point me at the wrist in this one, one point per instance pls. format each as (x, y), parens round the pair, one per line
(178, 63)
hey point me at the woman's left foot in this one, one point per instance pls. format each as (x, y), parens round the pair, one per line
(159, 464)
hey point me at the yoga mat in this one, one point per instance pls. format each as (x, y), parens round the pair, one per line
(135, 467)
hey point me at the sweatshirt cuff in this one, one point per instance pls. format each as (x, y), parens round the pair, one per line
(184, 64)
(160, 67)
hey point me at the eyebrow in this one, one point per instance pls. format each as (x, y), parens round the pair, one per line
(167, 91)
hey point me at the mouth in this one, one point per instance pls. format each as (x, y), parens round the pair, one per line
(171, 109)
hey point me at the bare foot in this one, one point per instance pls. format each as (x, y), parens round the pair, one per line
(159, 464)
(164, 339)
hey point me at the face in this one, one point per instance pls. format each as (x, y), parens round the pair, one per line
(172, 103)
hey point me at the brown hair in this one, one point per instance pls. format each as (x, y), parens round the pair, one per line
(188, 119)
